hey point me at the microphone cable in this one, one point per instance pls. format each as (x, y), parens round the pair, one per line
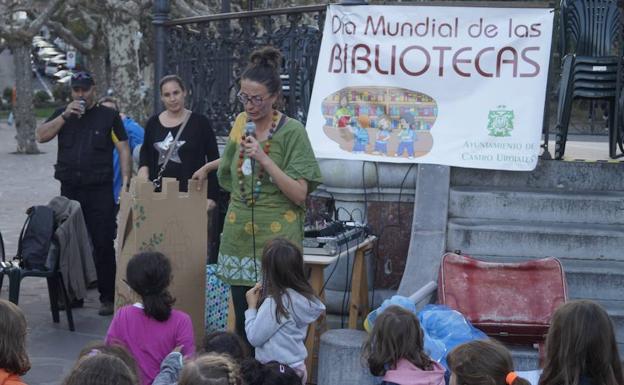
(253, 204)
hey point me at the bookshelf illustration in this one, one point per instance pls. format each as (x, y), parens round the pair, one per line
(384, 121)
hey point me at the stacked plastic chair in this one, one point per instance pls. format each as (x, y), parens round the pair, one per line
(590, 39)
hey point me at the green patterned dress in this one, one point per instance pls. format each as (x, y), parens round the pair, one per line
(273, 213)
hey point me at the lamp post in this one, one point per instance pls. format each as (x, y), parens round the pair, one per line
(161, 15)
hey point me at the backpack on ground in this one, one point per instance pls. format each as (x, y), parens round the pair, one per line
(36, 238)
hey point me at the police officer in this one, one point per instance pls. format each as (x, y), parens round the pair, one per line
(85, 169)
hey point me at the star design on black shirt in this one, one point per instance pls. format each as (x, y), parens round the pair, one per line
(163, 148)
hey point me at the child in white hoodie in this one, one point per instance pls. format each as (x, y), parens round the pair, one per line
(395, 350)
(281, 308)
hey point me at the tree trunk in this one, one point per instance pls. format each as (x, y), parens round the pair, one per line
(25, 122)
(97, 66)
(126, 77)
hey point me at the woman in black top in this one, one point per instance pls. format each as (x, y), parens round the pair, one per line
(196, 146)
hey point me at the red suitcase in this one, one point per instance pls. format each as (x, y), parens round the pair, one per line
(510, 301)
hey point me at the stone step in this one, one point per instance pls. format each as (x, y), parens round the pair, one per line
(556, 175)
(590, 279)
(336, 300)
(605, 207)
(511, 238)
(524, 357)
(527, 358)
(616, 312)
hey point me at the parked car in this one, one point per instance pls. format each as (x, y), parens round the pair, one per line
(51, 69)
(48, 52)
(64, 80)
(62, 73)
(42, 44)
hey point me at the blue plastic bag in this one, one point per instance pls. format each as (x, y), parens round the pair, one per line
(396, 300)
(443, 327)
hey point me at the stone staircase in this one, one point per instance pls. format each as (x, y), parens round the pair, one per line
(572, 211)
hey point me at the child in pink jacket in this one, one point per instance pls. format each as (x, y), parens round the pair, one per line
(395, 350)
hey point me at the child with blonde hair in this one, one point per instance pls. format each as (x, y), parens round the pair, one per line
(211, 369)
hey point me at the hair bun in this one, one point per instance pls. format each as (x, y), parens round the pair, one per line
(266, 56)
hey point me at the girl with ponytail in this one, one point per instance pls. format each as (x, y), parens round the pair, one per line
(211, 369)
(150, 329)
(482, 362)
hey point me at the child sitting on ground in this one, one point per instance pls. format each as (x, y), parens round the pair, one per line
(271, 373)
(395, 350)
(220, 342)
(482, 362)
(281, 308)
(14, 360)
(581, 347)
(112, 350)
(211, 369)
(151, 329)
(101, 369)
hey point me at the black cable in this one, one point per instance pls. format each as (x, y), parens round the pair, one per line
(253, 223)
(385, 227)
(345, 210)
(362, 217)
(346, 298)
(376, 253)
(333, 270)
(401, 191)
(346, 289)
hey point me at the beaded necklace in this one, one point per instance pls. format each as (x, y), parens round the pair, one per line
(257, 186)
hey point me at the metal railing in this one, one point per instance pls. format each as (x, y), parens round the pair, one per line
(210, 53)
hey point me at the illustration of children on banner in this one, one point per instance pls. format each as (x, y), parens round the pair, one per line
(381, 121)
(407, 135)
(360, 137)
(383, 136)
(343, 114)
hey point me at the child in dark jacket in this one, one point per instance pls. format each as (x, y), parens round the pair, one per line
(395, 350)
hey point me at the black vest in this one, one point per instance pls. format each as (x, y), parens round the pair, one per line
(85, 148)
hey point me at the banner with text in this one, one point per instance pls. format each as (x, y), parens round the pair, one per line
(458, 86)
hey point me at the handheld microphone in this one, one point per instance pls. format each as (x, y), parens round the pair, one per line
(250, 130)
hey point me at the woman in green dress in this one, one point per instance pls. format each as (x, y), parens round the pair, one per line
(269, 168)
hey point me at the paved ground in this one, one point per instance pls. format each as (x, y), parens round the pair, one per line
(26, 180)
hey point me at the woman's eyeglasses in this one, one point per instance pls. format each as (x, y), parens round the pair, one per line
(255, 100)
